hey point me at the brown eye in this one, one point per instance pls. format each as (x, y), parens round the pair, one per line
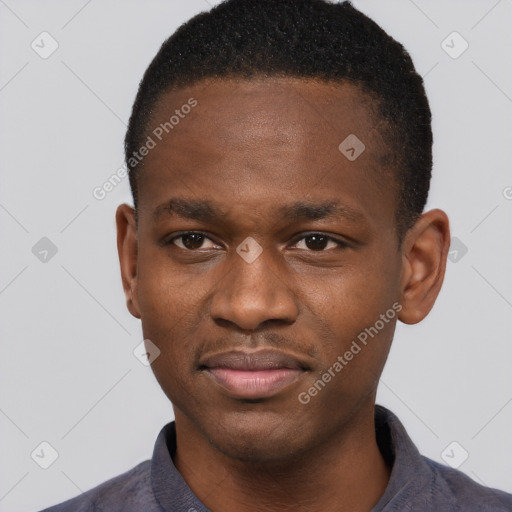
(317, 242)
(190, 241)
(193, 241)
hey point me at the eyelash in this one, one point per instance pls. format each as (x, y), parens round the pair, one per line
(341, 244)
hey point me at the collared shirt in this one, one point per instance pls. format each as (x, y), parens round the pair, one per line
(416, 483)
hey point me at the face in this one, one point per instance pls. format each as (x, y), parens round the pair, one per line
(261, 254)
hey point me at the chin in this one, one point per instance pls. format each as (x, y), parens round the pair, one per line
(256, 438)
(256, 451)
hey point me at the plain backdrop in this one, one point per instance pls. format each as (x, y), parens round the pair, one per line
(68, 376)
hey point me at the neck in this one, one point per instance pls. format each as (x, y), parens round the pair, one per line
(345, 473)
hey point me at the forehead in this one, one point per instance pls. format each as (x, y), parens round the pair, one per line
(254, 139)
(277, 108)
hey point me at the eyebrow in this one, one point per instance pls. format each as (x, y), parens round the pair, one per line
(203, 210)
(316, 211)
(189, 209)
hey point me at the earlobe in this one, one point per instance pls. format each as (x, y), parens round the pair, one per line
(425, 250)
(127, 251)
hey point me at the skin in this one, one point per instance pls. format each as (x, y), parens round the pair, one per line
(249, 148)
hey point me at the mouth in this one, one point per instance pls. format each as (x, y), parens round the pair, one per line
(253, 375)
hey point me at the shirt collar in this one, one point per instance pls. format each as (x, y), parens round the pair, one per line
(170, 490)
(409, 474)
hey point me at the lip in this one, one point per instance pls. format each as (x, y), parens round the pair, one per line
(253, 375)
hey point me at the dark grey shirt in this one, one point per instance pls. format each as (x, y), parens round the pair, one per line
(416, 484)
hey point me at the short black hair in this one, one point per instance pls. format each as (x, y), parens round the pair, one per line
(311, 39)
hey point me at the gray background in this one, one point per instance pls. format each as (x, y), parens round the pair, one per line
(67, 372)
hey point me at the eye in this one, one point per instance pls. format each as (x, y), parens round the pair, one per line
(192, 241)
(319, 242)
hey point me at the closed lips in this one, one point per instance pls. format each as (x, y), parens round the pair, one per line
(253, 375)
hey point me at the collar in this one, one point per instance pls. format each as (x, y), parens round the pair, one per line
(409, 474)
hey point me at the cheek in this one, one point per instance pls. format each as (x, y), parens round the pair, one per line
(358, 307)
(168, 310)
(163, 291)
(354, 297)
(353, 352)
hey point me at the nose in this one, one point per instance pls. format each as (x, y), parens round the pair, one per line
(252, 294)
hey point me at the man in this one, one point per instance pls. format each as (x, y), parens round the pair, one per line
(280, 154)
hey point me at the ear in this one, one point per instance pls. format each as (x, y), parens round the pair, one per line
(127, 250)
(424, 253)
